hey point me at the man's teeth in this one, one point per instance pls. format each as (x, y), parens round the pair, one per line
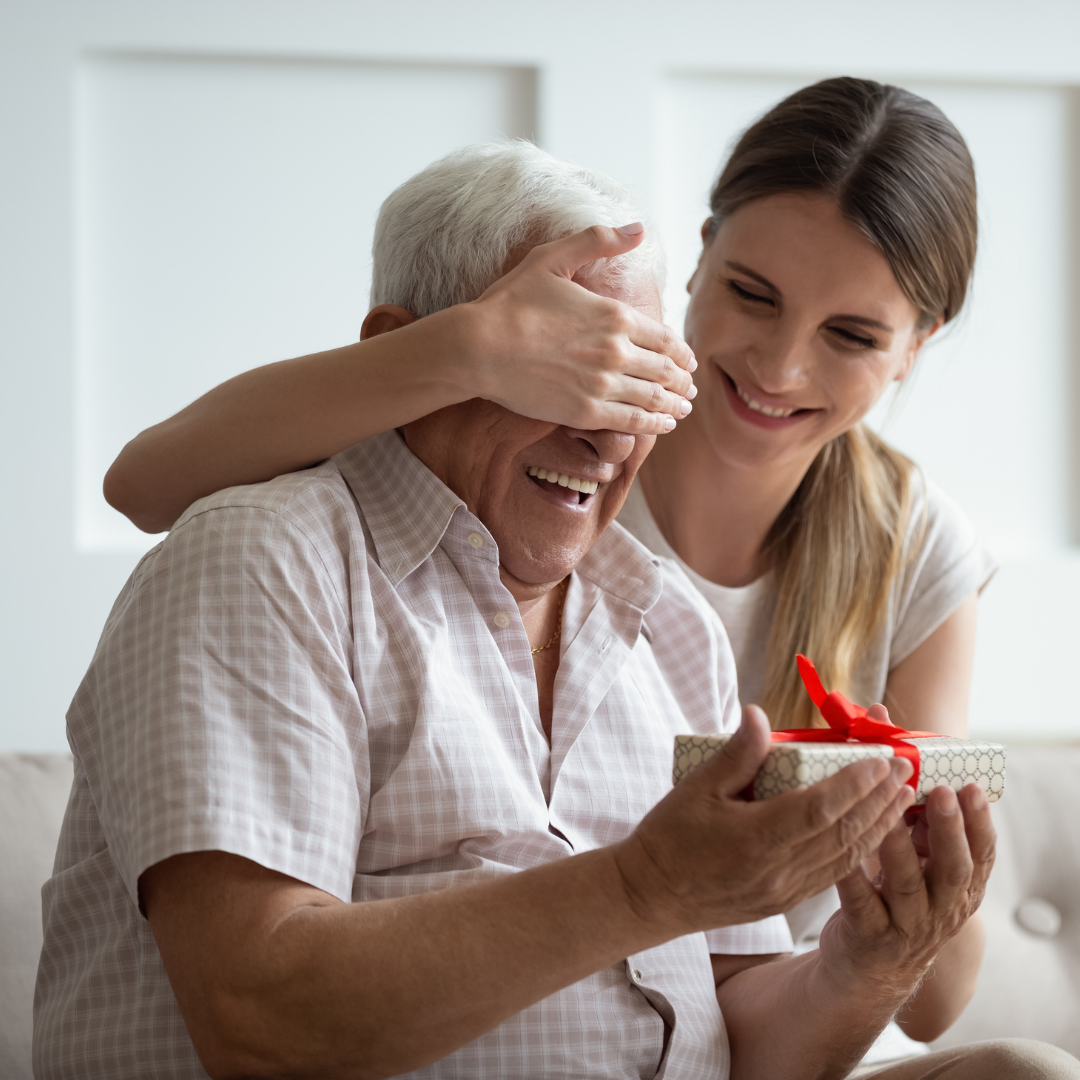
(586, 487)
(757, 406)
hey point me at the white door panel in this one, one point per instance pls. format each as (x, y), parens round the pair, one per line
(224, 218)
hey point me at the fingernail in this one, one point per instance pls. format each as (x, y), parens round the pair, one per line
(669, 423)
(901, 769)
(978, 800)
(905, 799)
(691, 393)
(632, 229)
(949, 804)
(686, 407)
(692, 366)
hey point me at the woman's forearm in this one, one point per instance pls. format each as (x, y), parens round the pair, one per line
(949, 986)
(289, 415)
(536, 343)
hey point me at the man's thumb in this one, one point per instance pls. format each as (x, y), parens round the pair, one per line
(568, 255)
(734, 768)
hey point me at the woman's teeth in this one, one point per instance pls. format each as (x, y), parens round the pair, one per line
(586, 487)
(757, 406)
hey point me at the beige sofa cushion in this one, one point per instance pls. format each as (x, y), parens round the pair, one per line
(33, 794)
(1029, 985)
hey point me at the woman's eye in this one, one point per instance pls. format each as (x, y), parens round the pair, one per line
(746, 294)
(853, 339)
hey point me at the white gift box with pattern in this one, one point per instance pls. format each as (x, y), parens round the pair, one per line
(791, 765)
(801, 757)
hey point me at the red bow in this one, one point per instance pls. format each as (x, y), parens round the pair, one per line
(850, 723)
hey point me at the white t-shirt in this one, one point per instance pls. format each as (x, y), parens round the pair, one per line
(948, 567)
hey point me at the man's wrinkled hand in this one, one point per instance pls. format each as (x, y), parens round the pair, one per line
(930, 883)
(704, 857)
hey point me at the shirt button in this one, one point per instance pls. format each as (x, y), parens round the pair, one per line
(502, 620)
(636, 972)
(477, 541)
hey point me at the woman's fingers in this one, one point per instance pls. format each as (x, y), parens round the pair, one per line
(628, 419)
(642, 393)
(660, 342)
(552, 349)
(571, 254)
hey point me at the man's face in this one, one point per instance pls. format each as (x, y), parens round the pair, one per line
(492, 459)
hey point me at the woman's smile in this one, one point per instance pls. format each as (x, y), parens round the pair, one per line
(754, 410)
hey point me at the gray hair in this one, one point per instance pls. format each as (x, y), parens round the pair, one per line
(445, 235)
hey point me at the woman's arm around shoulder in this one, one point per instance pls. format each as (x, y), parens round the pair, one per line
(535, 342)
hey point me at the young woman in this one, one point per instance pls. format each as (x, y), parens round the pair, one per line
(842, 235)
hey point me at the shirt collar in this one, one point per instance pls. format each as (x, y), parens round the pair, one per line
(621, 565)
(408, 509)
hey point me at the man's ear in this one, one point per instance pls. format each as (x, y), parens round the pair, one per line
(383, 319)
(921, 339)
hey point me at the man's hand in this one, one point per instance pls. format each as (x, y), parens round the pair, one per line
(548, 348)
(704, 857)
(816, 1014)
(890, 930)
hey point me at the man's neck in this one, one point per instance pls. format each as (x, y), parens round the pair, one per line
(715, 514)
(534, 602)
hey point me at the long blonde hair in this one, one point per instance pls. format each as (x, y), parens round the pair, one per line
(901, 172)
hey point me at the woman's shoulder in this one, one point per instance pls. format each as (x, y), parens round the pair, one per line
(944, 561)
(939, 530)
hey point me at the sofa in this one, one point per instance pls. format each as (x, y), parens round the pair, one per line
(1030, 982)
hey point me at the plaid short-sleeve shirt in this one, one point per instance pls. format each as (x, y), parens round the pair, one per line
(325, 674)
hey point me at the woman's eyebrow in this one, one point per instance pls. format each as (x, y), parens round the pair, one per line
(861, 320)
(743, 269)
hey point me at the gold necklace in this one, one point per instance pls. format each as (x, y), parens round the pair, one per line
(558, 628)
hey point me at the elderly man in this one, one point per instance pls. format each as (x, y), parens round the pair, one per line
(373, 762)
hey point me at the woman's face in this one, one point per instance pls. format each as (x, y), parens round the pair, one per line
(798, 325)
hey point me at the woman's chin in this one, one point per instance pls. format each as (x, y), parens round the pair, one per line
(763, 450)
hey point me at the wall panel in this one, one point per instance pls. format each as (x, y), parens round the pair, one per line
(225, 211)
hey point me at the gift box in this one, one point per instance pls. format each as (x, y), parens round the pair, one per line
(800, 757)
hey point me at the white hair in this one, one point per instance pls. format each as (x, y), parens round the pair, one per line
(445, 235)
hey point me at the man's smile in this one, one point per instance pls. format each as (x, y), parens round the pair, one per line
(566, 489)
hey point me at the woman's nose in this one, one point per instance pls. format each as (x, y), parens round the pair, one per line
(781, 361)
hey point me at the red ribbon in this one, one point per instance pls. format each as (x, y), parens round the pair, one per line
(850, 723)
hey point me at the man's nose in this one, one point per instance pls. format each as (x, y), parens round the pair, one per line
(611, 447)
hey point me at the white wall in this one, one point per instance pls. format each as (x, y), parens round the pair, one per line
(224, 215)
(193, 189)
